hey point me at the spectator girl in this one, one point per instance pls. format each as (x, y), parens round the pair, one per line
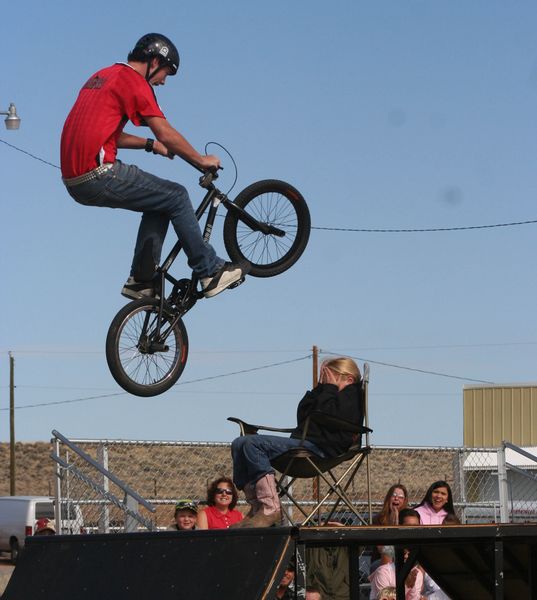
(396, 499)
(220, 513)
(437, 505)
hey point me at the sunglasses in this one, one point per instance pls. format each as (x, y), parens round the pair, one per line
(224, 491)
(396, 495)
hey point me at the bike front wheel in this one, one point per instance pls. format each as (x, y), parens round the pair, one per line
(279, 205)
(143, 362)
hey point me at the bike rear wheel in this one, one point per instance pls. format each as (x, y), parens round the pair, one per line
(138, 365)
(278, 204)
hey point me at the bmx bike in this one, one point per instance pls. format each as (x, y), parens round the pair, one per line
(268, 224)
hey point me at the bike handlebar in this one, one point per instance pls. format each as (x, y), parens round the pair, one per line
(208, 174)
(212, 170)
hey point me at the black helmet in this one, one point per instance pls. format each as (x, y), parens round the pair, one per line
(156, 45)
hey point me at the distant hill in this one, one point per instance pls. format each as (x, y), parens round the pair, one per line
(34, 474)
(160, 471)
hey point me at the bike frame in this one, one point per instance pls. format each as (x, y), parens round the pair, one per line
(212, 199)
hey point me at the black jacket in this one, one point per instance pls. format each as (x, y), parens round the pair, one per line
(327, 399)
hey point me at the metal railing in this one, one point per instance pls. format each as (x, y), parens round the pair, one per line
(67, 471)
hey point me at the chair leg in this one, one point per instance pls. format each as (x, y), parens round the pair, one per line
(337, 489)
(283, 491)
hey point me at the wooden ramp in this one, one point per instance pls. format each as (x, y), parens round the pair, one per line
(478, 562)
(225, 564)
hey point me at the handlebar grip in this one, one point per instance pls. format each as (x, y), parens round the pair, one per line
(212, 170)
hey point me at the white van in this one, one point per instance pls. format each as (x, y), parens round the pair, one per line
(18, 515)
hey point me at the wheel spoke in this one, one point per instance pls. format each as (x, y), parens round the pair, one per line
(274, 209)
(144, 367)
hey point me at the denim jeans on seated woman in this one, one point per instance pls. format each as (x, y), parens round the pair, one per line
(252, 455)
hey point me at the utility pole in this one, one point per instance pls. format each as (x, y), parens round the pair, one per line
(315, 358)
(315, 482)
(11, 425)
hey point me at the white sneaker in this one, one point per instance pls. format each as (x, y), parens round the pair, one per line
(137, 289)
(226, 276)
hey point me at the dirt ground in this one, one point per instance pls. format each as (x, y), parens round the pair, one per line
(6, 568)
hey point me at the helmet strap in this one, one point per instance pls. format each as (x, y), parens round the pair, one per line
(149, 75)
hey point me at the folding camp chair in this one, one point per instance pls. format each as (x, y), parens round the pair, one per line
(301, 463)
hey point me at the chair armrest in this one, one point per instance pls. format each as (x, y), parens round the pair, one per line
(249, 428)
(337, 424)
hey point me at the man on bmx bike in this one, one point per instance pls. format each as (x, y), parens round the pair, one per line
(93, 176)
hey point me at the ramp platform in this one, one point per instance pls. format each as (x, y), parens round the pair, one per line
(478, 562)
(225, 564)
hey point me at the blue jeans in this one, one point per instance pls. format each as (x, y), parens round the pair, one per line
(252, 455)
(160, 201)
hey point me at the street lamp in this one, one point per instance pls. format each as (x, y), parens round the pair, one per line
(12, 120)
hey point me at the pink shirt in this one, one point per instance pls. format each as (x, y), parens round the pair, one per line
(429, 516)
(384, 576)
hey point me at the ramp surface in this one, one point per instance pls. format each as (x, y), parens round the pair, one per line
(223, 564)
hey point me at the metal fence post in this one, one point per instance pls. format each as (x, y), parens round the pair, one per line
(58, 489)
(503, 489)
(131, 524)
(461, 454)
(368, 466)
(104, 516)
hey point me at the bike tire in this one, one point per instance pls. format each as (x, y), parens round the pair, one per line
(139, 373)
(279, 204)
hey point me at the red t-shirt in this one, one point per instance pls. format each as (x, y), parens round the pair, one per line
(218, 520)
(108, 100)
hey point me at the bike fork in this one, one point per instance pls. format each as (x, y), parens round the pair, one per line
(252, 222)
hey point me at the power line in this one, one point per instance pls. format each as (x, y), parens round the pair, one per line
(250, 370)
(72, 401)
(52, 351)
(29, 154)
(445, 346)
(404, 368)
(350, 229)
(428, 229)
(99, 397)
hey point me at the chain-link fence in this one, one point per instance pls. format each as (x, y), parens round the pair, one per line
(163, 472)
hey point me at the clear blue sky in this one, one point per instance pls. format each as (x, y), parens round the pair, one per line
(385, 114)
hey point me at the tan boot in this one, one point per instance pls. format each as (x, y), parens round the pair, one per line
(270, 512)
(251, 498)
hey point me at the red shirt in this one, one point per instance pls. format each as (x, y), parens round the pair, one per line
(219, 520)
(108, 100)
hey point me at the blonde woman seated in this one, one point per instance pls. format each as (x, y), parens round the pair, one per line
(338, 394)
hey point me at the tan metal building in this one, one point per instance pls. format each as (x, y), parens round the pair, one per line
(493, 413)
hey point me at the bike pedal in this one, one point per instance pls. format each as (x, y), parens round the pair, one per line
(236, 283)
